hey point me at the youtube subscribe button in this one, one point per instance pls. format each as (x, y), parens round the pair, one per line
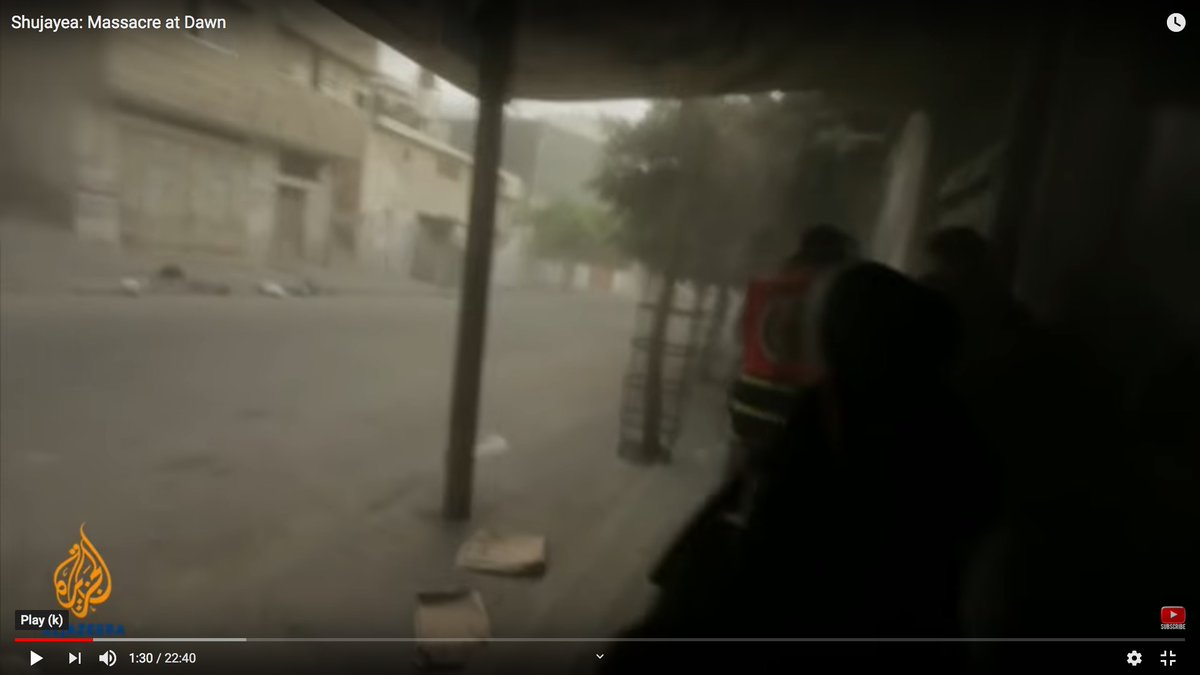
(1173, 618)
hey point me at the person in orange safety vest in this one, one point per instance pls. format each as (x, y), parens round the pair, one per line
(776, 363)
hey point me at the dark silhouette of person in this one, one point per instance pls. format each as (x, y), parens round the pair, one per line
(1001, 353)
(872, 499)
(775, 370)
(1080, 524)
(962, 267)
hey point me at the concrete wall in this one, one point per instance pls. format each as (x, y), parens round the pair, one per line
(180, 143)
(510, 267)
(629, 281)
(244, 84)
(388, 222)
(260, 201)
(180, 188)
(550, 274)
(324, 28)
(386, 241)
(49, 80)
(318, 213)
(400, 180)
(96, 151)
(583, 277)
(410, 175)
(407, 174)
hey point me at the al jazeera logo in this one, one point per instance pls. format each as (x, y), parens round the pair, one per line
(82, 581)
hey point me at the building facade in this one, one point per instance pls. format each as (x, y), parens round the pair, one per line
(230, 141)
(274, 139)
(415, 192)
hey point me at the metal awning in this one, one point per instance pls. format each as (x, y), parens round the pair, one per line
(877, 54)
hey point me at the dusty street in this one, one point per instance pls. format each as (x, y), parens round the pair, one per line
(249, 466)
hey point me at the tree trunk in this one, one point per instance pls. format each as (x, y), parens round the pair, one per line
(568, 276)
(693, 364)
(652, 405)
(712, 337)
(652, 408)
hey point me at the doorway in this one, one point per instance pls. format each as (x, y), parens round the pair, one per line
(290, 205)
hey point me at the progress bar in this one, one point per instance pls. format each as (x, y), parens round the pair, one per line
(601, 640)
(52, 640)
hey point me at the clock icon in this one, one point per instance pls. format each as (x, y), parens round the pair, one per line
(1176, 22)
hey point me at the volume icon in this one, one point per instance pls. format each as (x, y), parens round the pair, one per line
(109, 658)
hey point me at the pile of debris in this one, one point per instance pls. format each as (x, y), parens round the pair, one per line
(172, 280)
(453, 623)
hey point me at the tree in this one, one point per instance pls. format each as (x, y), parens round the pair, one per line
(715, 191)
(572, 233)
(643, 176)
(753, 169)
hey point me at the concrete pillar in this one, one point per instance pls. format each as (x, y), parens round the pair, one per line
(892, 241)
(496, 25)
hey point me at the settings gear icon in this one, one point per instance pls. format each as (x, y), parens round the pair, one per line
(1133, 658)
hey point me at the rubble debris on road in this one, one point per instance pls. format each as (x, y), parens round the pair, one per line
(512, 554)
(171, 280)
(491, 445)
(304, 289)
(272, 288)
(135, 287)
(450, 625)
(132, 286)
(171, 272)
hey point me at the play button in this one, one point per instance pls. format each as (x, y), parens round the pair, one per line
(34, 657)
(1173, 615)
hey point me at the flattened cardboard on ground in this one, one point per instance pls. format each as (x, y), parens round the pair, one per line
(514, 554)
(491, 445)
(450, 625)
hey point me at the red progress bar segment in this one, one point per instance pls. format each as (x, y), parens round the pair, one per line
(85, 639)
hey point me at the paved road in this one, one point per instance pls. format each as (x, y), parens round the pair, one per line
(263, 467)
